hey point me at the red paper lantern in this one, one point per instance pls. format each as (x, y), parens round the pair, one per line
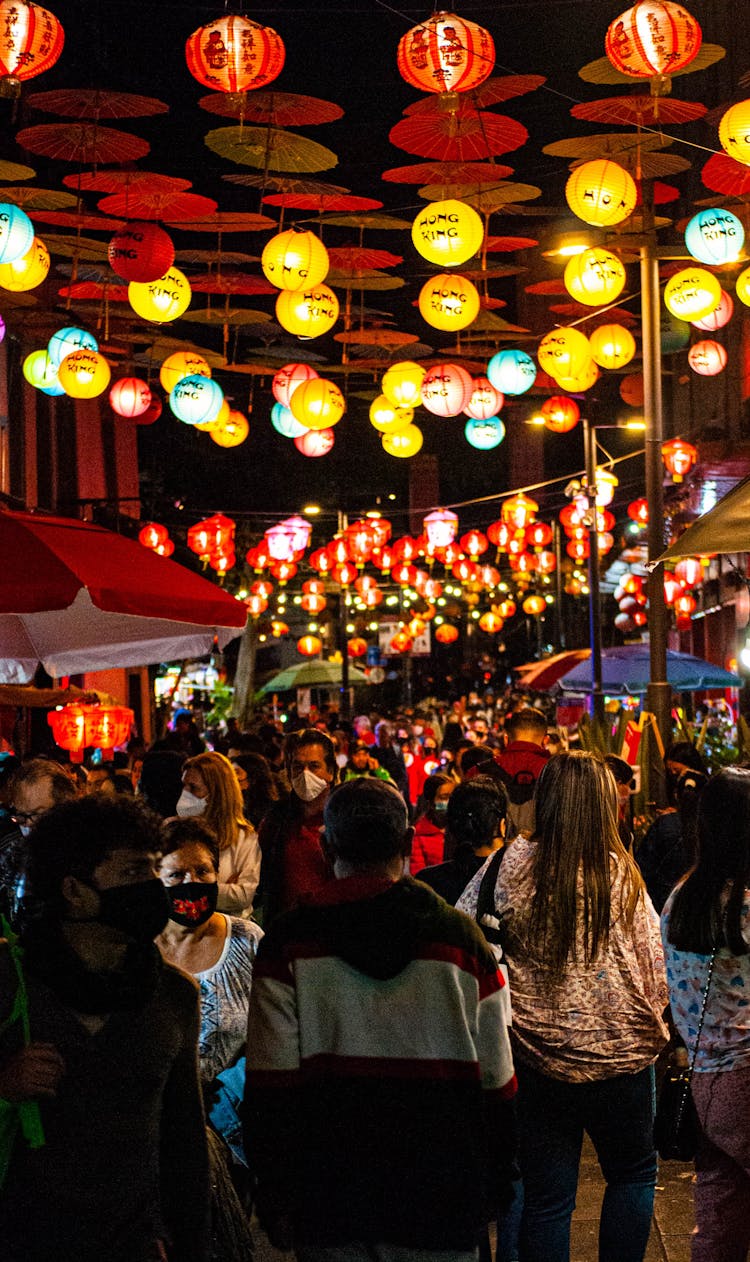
(32, 41)
(211, 536)
(258, 557)
(372, 597)
(81, 726)
(404, 574)
(499, 533)
(679, 457)
(401, 642)
(491, 622)
(314, 587)
(546, 562)
(560, 413)
(234, 54)
(446, 633)
(256, 605)
(485, 400)
(316, 442)
(519, 511)
(312, 603)
(152, 534)
(685, 605)
(309, 645)
(631, 389)
(506, 609)
(284, 571)
(689, 571)
(405, 549)
(141, 252)
(672, 588)
(320, 560)
(360, 539)
(130, 397)
(357, 647)
(152, 413)
(465, 571)
(652, 38)
(475, 543)
(638, 511)
(539, 534)
(578, 549)
(534, 605)
(446, 54)
(345, 573)
(489, 576)
(707, 357)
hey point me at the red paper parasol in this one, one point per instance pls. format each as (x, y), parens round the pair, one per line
(224, 221)
(546, 287)
(86, 143)
(282, 109)
(375, 337)
(448, 173)
(491, 92)
(723, 174)
(143, 202)
(86, 223)
(506, 245)
(91, 291)
(96, 103)
(118, 181)
(321, 201)
(638, 111)
(458, 138)
(662, 193)
(231, 283)
(356, 257)
(283, 183)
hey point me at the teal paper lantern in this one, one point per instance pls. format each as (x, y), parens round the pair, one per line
(196, 400)
(715, 236)
(16, 233)
(511, 372)
(674, 334)
(484, 435)
(69, 339)
(285, 422)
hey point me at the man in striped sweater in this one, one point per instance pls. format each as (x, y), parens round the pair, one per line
(379, 1113)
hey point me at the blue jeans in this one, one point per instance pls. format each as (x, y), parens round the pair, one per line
(617, 1114)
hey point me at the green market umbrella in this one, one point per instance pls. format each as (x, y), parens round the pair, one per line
(317, 674)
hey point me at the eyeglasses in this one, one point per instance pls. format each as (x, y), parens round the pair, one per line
(25, 817)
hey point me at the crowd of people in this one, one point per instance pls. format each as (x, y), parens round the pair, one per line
(374, 981)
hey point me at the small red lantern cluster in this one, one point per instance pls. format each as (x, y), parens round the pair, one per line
(80, 726)
(213, 541)
(156, 538)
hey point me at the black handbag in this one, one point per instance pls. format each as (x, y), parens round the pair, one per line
(676, 1127)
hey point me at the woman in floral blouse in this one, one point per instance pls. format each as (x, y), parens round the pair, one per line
(711, 908)
(588, 990)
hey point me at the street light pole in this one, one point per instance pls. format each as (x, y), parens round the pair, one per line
(595, 609)
(343, 639)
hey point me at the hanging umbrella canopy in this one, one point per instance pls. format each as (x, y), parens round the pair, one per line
(77, 597)
(311, 675)
(86, 143)
(723, 174)
(639, 111)
(321, 201)
(223, 221)
(492, 92)
(32, 199)
(284, 183)
(626, 671)
(724, 528)
(464, 137)
(602, 70)
(355, 257)
(144, 201)
(82, 222)
(282, 109)
(118, 181)
(506, 245)
(96, 103)
(448, 173)
(270, 148)
(15, 171)
(368, 219)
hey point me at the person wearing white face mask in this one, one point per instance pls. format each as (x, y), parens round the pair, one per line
(211, 791)
(293, 860)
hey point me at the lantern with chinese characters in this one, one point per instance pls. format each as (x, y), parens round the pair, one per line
(689, 571)
(317, 404)
(679, 458)
(140, 252)
(287, 379)
(295, 260)
(560, 413)
(511, 371)
(130, 397)
(386, 417)
(638, 511)
(564, 352)
(715, 236)
(84, 374)
(307, 313)
(449, 302)
(446, 633)
(707, 358)
(581, 381)
(27, 272)
(309, 645)
(233, 54)
(402, 384)
(152, 534)
(485, 400)
(403, 443)
(182, 364)
(612, 346)
(692, 293)
(734, 131)
(601, 193)
(41, 373)
(447, 233)
(654, 37)
(484, 435)
(231, 430)
(32, 42)
(80, 726)
(534, 606)
(161, 300)
(315, 442)
(519, 511)
(594, 276)
(446, 389)
(16, 233)
(195, 400)
(718, 318)
(446, 53)
(441, 527)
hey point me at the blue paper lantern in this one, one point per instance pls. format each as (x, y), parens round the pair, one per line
(285, 422)
(715, 236)
(484, 435)
(16, 233)
(196, 400)
(69, 339)
(511, 372)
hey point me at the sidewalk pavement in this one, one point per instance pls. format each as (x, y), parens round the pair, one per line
(670, 1233)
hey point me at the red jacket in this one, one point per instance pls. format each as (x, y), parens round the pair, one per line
(427, 847)
(524, 759)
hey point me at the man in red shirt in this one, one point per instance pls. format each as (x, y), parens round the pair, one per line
(520, 765)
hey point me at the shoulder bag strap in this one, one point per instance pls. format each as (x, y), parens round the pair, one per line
(709, 976)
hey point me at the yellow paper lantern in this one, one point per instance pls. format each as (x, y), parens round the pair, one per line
(534, 606)
(580, 382)
(742, 288)
(447, 233)
(564, 353)
(309, 312)
(232, 431)
(388, 418)
(734, 131)
(317, 404)
(404, 443)
(220, 419)
(402, 383)
(449, 302)
(692, 293)
(295, 260)
(594, 276)
(162, 300)
(27, 272)
(84, 374)
(601, 193)
(182, 364)
(612, 346)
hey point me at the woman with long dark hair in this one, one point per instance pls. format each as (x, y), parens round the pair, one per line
(588, 990)
(709, 912)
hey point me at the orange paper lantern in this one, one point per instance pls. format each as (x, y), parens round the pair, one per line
(654, 37)
(446, 54)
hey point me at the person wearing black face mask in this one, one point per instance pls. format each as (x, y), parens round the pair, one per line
(123, 1171)
(219, 951)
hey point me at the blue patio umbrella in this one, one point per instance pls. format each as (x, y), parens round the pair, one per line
(626, 671)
